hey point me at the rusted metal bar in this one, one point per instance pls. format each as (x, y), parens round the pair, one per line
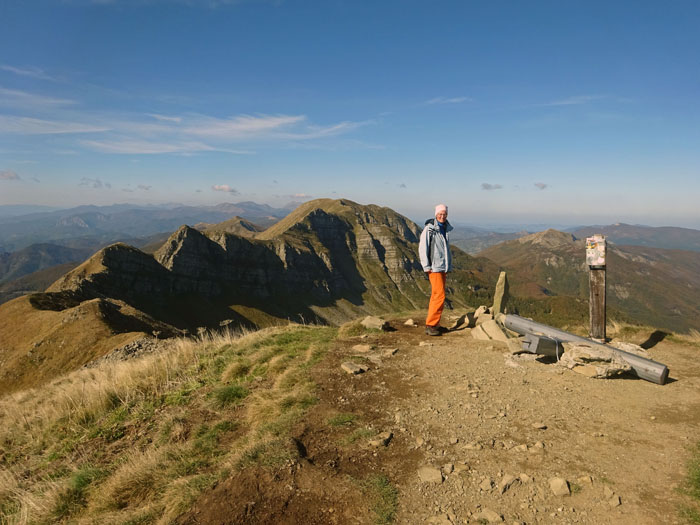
(644, 368)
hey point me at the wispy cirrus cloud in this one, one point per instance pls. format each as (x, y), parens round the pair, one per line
(155, 133)
(144, 147)
(448, 100)
(225, 188)
(489, 187)
(8, 175)
(244, 126)
(164, 118)
(15, 98)
(541, 185)
(35, 126)
(144, 187)
(27, 71)
(574, 101)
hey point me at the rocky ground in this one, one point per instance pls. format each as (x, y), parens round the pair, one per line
(468, 433)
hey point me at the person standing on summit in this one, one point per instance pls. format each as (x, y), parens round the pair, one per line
(436, 259)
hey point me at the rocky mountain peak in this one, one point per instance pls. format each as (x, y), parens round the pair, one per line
(550, 238)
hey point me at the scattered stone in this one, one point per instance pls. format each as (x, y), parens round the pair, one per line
(467, 320)
(486, 484)
(489, 515)
(362, 348)
(615, 501)
(524, 478)
(479, 334)
(593, 361)
(374, 323)
(559, 486)
(448, 468)
(473, 446)
(585, 479)
(539, 426)
(629, 347)
(443, 519)
(389, 352)
(520, 448)
(608, 492)
(430, 475)
(425, 343)
(493, 330)
(375, 359)
(500, 296)
(538, 444)
(354, 368)
(510, 362)
(461, 467)
(506, 483)
(382, 440)
(420, 441)
(454, 440)
(410, 322)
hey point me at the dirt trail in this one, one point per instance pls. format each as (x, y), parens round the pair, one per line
(496, 430)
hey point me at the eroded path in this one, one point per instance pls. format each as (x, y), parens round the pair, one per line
(488, 432)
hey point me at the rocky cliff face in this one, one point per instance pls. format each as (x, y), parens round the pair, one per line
(327, 256)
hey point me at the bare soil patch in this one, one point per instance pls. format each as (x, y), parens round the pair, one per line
(498, 428)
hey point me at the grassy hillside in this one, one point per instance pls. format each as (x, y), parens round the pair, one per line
(138, 441)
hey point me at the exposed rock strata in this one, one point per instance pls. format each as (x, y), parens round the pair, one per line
(327, 259)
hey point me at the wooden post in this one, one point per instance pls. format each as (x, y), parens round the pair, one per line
(597, 303)
(595, 258)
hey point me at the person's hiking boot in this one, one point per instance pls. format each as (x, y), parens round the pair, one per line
(432, 330)
(442, 329)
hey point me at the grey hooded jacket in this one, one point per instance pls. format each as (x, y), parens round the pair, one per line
(434, 248)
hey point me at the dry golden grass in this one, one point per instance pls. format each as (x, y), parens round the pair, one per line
(140, 439)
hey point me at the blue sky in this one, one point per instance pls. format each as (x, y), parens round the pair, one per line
(559, 112)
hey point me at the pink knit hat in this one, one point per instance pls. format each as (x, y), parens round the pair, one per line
(439, 208)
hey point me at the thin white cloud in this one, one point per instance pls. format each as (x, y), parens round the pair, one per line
(144, 187)
(225, 188)
(540, 185)
(35, 126)
(574, 101)
(244, 126)
(14, 98)
(153, 133)
(8, 175)
(143, 147)
(165, 118)
(94, 183)
(29, 71)
(448, 100)
(318, 132)
(489, 187)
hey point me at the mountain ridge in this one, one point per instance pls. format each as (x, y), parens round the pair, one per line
(332, 261)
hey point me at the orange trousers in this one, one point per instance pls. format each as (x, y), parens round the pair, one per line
(437, 298)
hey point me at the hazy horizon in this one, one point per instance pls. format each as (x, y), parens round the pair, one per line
(511, 113)
(502, 223)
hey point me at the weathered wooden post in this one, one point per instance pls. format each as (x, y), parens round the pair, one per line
(595, 258)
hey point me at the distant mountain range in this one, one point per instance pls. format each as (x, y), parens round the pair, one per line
(104, 224)
(328, 261)
(667, 237)
(653, 286)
